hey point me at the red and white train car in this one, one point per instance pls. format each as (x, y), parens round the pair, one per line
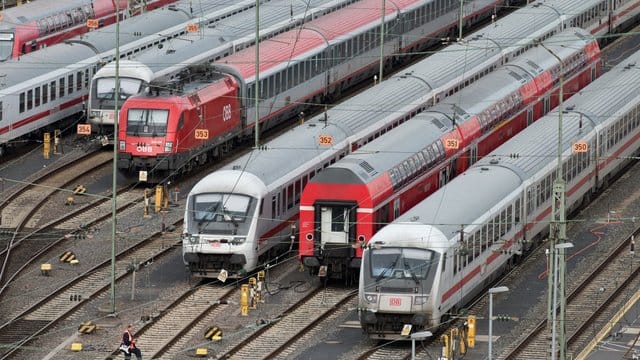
(297, 68)
(32, 26)
(344, 205)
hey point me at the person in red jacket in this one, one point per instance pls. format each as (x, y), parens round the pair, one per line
(128, 345)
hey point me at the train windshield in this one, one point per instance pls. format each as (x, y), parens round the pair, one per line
(221, 213)
(6, 46)
(147, 122)
(402, 263)
(106, 88)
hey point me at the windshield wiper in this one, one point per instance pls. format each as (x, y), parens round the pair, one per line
(391, 266)
(408, 268)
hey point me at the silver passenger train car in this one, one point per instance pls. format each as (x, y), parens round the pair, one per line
(272, 180)
(51, 84)
(436, 257)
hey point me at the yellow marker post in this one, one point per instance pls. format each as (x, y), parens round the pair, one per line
(244, 300)
(201, 352)
(46, 145)
(159, 192)
(471, 331)
(45, 269)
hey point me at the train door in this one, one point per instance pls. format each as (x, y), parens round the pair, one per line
(472, 154)
(546, 105)
(529, 116)
(336, 223)
(443, 177)
(396, 208)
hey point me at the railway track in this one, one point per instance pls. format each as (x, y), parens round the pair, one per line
(593, 299)
(275, 337)
(38, 318)
(22, 208)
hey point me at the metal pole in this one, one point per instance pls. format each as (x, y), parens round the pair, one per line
(563, 303)
(413, 349)
(382, 39)
(115, 165)
(557, 233)
(555, 299)
(490, 325)
(461, 17)
(257, 87)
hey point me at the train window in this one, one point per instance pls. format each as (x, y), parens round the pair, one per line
(1, 110)
(29, 99)
(280, 202)
(61, 87)
(45, 93)
(86, 78)
(67, 19)
(273, 205)
(37, 96)
(503, 222)
(483, 240)
(52, 90)
(297, 191)
(22, 102)
(490, 233)
(70, 84)
(289, 196)
(79, 80)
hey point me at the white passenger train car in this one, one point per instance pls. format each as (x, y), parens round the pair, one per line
(436, 257)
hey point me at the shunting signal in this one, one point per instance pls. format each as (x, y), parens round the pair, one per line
(214, 333)
(79, 190)
(87, 327)
(67, 256)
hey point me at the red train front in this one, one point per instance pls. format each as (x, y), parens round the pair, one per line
(172, 130)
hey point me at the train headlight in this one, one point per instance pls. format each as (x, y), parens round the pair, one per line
(371, 298)
(191, 238)
(168, 146)
(122, 145)
(420, 300)
(95, 113)
(238, 240)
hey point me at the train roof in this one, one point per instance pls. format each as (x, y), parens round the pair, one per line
(583, 112)
(386, 152)
(34, 64)
(90, 47)
(407, 90)
(28, 12)
(270, 164)
(182, 50)
(288, 46)
(412, 235)
(498, 174)
(458, 203)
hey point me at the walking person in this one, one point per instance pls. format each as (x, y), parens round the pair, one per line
(128, 345)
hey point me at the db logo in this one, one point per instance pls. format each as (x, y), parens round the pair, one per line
(394, 301)
(144, 149)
